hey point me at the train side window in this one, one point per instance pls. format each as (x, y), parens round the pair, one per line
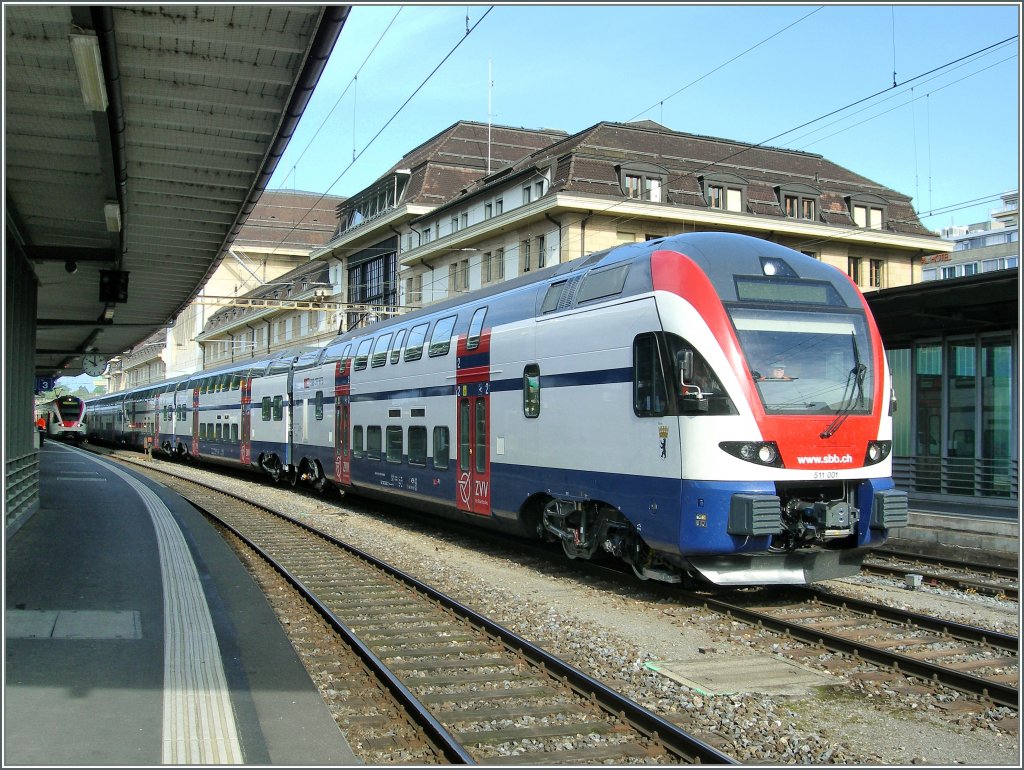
(278, 408)
(380, 350)
(394, 443)
(373, 444)
(417, 445)
(599, 284)
(531, 390)
(441, 339)
(650, 394)
(442, 448)
(236, 382)
(363, 353)
(234, 432)
(414, 347)
(319, 405)
(265, 409)
(552, 296)
(357, 441)
(217, 432)
(476, 328)
(396, 350)
(335, 353)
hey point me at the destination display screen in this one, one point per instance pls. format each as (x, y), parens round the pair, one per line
(753, 289)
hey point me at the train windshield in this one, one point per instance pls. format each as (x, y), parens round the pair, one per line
(69, 409)
(807, 362)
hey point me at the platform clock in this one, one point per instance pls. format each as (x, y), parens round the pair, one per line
(94, 364)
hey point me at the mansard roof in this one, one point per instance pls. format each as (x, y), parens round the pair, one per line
(588, 163)
(458, 156)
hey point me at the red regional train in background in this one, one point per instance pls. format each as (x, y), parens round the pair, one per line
(64, 418)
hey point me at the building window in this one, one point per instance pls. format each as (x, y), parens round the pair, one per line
(853, 269)
(526, 195)
(726, 192)
(541, 252)
(453, 277)
(464, 274)
(465, 219)
(868, 216)
(486, 267)
(643, 181)
(455, 224)
(488, 210)
(499, 264)
(426, 235)
(414, 289)
(499, 206)
(524, 257)
(877, 268)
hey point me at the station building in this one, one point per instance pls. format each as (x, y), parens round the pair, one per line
(953, 343)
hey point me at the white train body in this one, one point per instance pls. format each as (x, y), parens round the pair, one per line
(621, 403)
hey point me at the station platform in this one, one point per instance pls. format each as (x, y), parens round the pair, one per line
(134, 636)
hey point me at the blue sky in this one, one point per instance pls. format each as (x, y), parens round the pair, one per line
(751, 73)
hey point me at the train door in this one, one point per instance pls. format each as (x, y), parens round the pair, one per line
(472, 377)
(195, 421)
(342, 417)
(474, 488)
(245, 428)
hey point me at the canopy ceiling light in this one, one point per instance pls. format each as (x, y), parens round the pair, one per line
(85, 47)
(112, 213)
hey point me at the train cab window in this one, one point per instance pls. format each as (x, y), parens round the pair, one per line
(373, 442)
(476, 326)
(442, 448)
(318, 408)
(441, 339)
(650, 391)
(531, 390)
(363, 354)
(357, 441)
(278, 408)
(380, 350)
(265, 409)
(417, 445)
(414, 347)
(394, 444)
(396, 349)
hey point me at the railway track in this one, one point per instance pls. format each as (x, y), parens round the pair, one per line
(990, 581)
(976, 661)
(462, 688)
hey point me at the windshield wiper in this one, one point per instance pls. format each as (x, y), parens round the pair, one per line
(853, 393)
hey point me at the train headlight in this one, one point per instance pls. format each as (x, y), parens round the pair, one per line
(758, 452)
(877, 451)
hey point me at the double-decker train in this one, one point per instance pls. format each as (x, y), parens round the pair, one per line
(708, 405)
(64, 417)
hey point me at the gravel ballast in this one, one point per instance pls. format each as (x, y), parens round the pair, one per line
(611, 632)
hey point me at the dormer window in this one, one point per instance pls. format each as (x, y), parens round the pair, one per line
(867, 210)
(643, 181)
(726, 192)
(799, 201)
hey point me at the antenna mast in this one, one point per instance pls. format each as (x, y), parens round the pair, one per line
(490, 84)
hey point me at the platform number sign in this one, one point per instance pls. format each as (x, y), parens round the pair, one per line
(44, 384)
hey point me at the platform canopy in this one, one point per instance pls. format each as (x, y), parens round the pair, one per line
(138, 139)
(986, 302)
